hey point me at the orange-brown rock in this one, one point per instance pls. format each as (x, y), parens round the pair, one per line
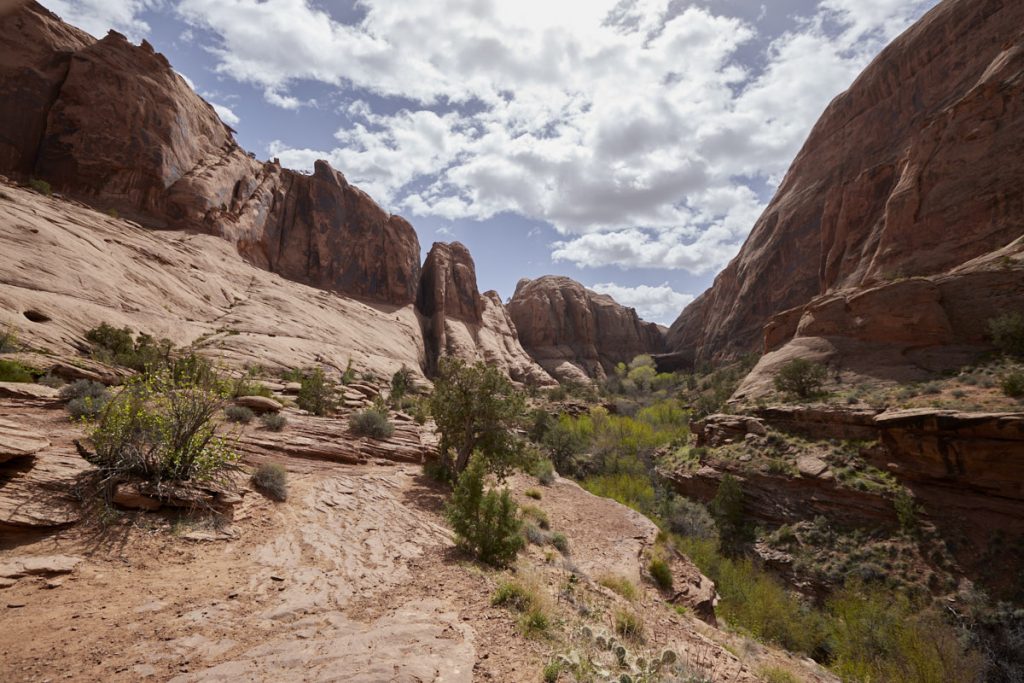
(113, 124)
(914, 171)
(459, 321)
(575, 333)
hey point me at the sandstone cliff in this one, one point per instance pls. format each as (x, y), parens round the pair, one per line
(459, 321)
(576, 334)
(917, 169)
(113, 124)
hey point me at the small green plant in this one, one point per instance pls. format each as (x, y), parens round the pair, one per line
(52, 381)
(544, 470)
(274, 422)
(486, 523)
(120, 347)
(247, 387)
(1007, 333)
(13, 371)
(112, 212)
(559, 540)
(271, 479)
(9, 339)
(534, 623)
(317, 393)
(371, 422)
(801, 378)
(552, 670)
(401, 382)
(40, 186)
(349, 375)
(239, 414)
(660, 572)
(533, 493)
(537, 515)
(620, 585)
(727, 510)
(533, 534)
(1013, 384)
(906, 511)
(513, 595)
(629, 624)
(775, 674)
(86, 407)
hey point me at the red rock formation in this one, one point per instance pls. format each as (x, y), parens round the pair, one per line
(575, 333)
(459, 321)
(915, 170)
(113, 124)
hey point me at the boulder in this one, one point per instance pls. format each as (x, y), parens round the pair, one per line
(258, 404)
(575, 333)
(128, 496)
(27, 391)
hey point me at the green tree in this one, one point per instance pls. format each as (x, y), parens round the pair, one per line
(401, 381)
(801, 378)
(486, 523)
(476, 408)
(727, 510)
(317, 393)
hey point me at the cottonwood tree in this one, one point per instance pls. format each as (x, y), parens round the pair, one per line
(476, 408)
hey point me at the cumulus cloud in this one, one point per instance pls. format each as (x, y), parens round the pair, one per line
(226, 115)
(660, 304)
(99, 16)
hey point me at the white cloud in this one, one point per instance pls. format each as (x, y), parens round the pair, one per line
(226, 115)
(660, 304)
(631, 126)
(99, 16)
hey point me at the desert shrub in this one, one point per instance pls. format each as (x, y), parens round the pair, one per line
(160, 427)
(727, 511)
(661, 573)
(537, 515)
(52, 381)
(1007, 333)
(534, 623)
(83, 388)
(906, 511)
(534, 534)
(552, 670)
(532, 493)
(629, 624)
(1013, 384)
(881, 636)
(401, 382)
(620, 585)
(239, 414)
(690, 518)
(120, 347)
(271, 480)
(801, 378)
(485, 522)
(275, 422)
(565, 443)
(372, 423)
(774, 674)
(559, 540)
(40, 186)
(86, 407)
(9, 339)
(476, 409)
(544, 470)
(13, 371)
(349, 374)
(247, 387)
(514, 595)
(317, 393)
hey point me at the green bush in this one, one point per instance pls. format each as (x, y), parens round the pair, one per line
(629, 624)
(727, 511)
(544, 470)
(1013, 384)
(9, 339)
(532, 493)
(534, 623)
(83, 388)
(565, 443)
(52, 381)
(536, 514)
(560, 542)
(485, 523)
(620, 585)
(274, 422)
(13, 371)
(690, 518)
(247, 387)
(514, 595)
(160, 427)
(86, 407)
(120, 347)
(534, 534)
(1007, 333)
(631, 489)
(372, 423)
(660, 572)
(801, 378)
(239, 414)
(271, 480)
(317, 393)
(906, 511)
(40, 186)
(401, 382)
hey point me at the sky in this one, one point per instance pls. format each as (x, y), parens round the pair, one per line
(628, 144)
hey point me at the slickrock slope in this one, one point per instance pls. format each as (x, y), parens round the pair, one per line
(459, 321)
(113, 124)
(917, 169)
(575, 333)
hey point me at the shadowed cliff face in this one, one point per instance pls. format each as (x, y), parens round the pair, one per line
(915, 170)
(575, 333)
(113, 124)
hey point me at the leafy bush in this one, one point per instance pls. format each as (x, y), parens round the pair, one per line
(160, 427)
(275, 422)
(906, 511)
(660, 572)
(372, 423)
(533, 493)
(40, 186)
(690, 518)
(534, 534)
(629, 624)
(536, 514)
(515, 596)
(1013, 384)
(476, 409)
(631, 489)
(544, 470)
(9, 339)
(247, 387)
(120, 347)
(86, 407)
(83, 388)
(620, 585)
(727, 510)
(801, 378)
(1007, 333)
(560, 542)
(52, 381)
(485, 523)
(239, 414)
(317, 393)
(564, 443)
(271, 480)
(401, 382)
(534, 623)
(13, 371)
